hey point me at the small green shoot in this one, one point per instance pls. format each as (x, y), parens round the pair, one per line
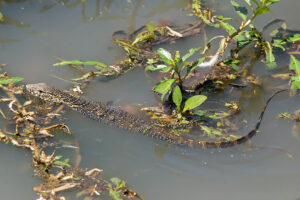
(64, 163)
(115, 192)
(78, 62)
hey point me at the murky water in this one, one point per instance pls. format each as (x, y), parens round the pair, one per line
(41, 31)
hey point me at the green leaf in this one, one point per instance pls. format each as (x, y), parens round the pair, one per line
(114, 194)
(165, 56)
(211, 132)
(255, 2)
(200, 112)
(162, 68)
(100, 64)
(8, 80)
(279, 44)
(177, 56)
(158, 67)
(294, 38)
(270, 2)
(248, 2)
(151, 27)
(241, 11)
(270, 59)
(164, 87)
(78, 62)
(177, 97)
(62, 163)
(1, 17)
(228, 27)
(150, 68)
(116, 181)
(58, 157)
(294, 65)
(262, 10)
(191, 52)
(235, 67)
(194, 102)
(166, 69)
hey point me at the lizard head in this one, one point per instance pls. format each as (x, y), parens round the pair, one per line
(43, 91)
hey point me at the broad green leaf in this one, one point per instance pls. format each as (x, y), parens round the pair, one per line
(241, 11)
(262, 10)
(194, 102)
(78, 62)
(8, 80)
(294, 38)
(177, 97)
(228, 27)
(164, 87)
(165, 56)
(297, 83)
(294, 65)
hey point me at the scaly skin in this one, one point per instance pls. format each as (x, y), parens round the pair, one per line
(115, 116)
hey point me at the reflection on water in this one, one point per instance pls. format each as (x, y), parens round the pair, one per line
(36, 33)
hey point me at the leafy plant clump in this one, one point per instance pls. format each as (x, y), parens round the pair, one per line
(179, 69)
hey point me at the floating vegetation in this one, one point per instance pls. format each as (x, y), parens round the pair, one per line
(33, 127)
(181, 83)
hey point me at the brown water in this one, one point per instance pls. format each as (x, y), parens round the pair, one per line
(41, 31)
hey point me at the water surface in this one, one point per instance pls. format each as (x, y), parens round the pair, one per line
(39, 32)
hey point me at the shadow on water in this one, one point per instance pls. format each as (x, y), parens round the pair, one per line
(36, 33)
